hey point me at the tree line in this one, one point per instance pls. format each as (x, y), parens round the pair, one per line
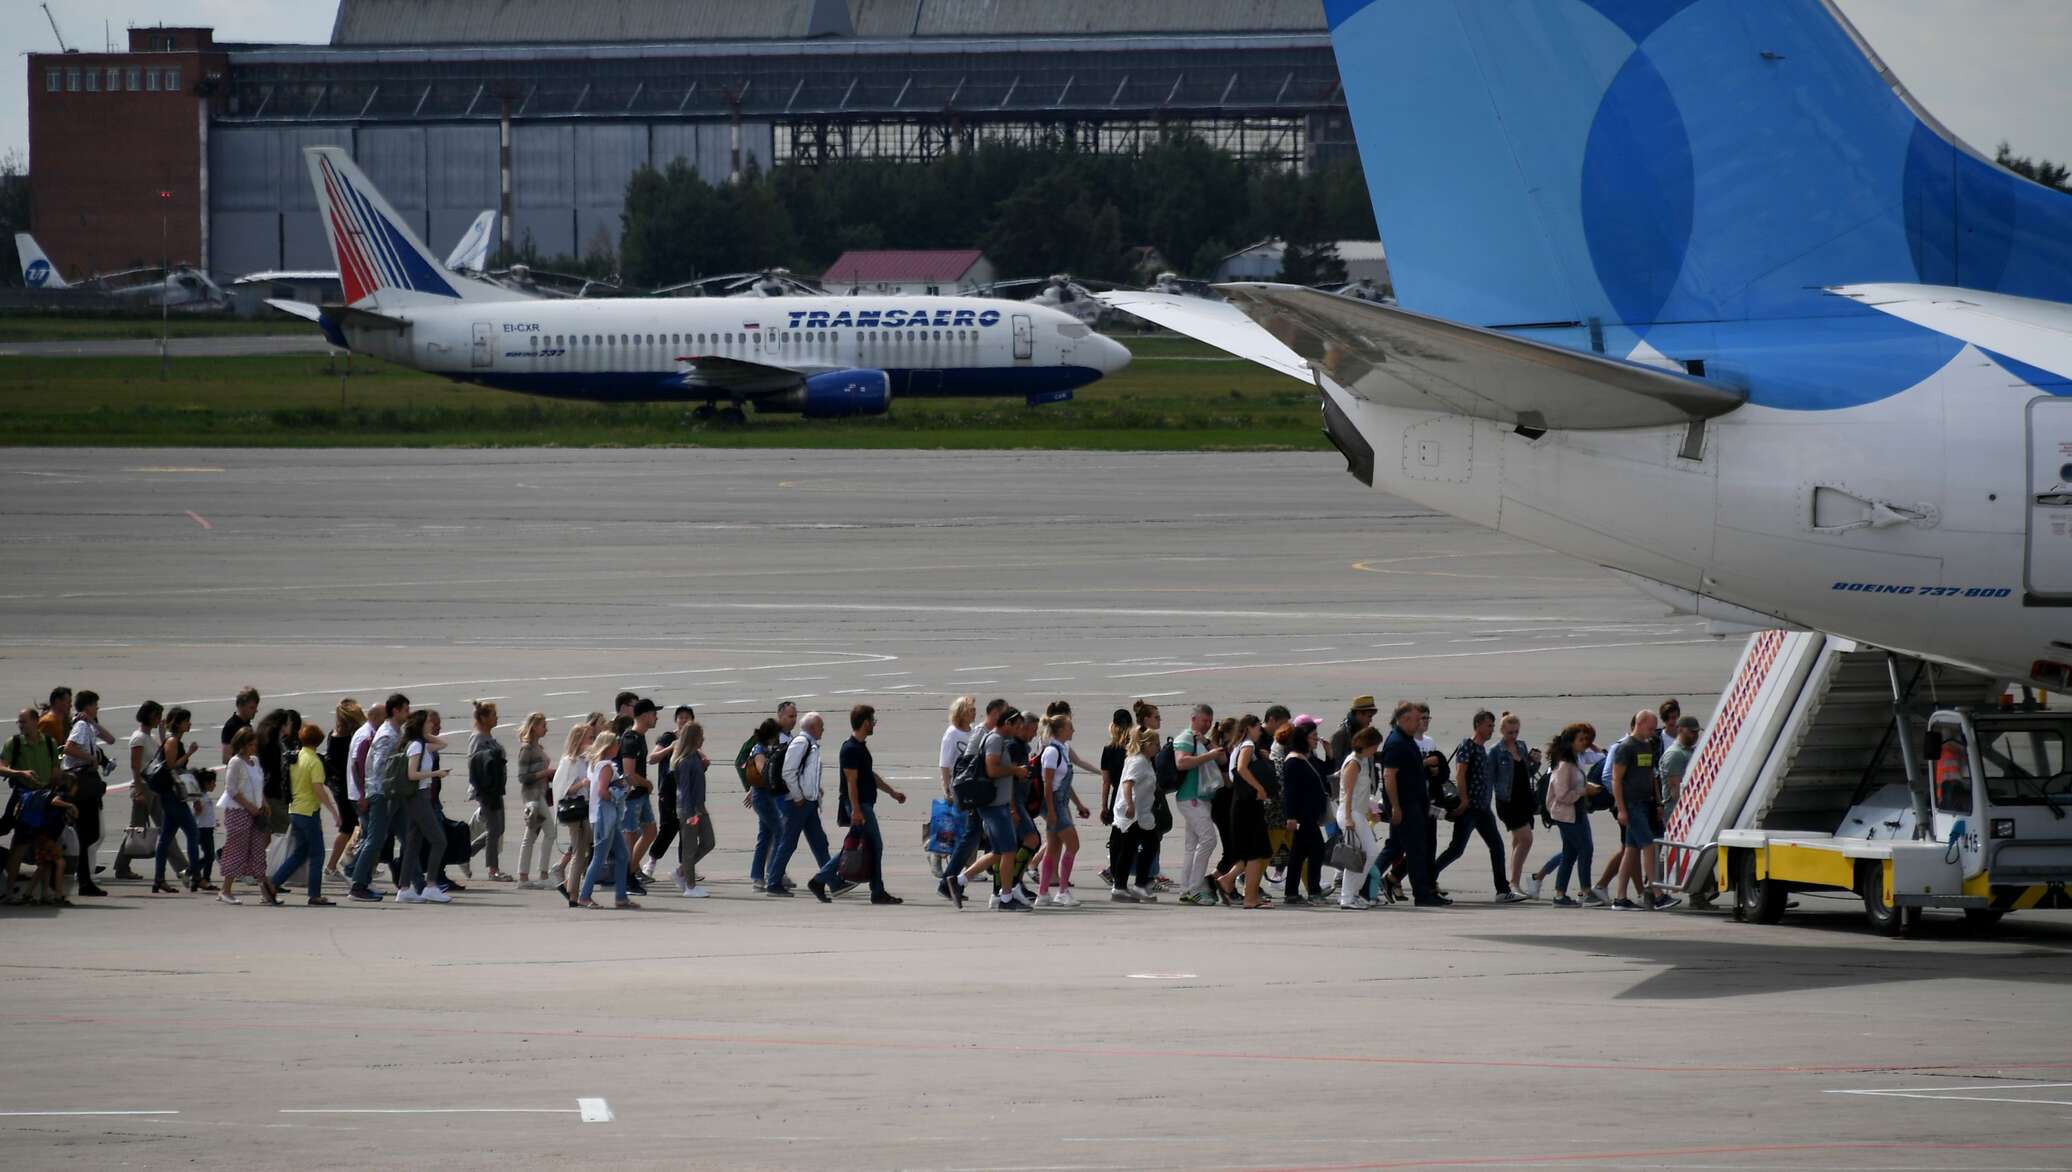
(1034, 210)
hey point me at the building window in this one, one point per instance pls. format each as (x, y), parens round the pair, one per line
(93, 81)
(114, 80)
(54, 80)
(72, 81)
(172, 81)
(151, 80)
(136, 79)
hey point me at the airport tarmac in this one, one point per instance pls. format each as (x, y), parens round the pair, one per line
(748, 1032)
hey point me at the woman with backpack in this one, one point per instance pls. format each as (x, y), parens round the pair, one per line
(1567, 794)
(1254, 779)
(169, 754)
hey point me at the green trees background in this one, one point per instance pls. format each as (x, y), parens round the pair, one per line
(1034, 210)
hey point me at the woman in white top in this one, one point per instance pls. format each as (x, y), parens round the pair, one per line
(143, 750)
(607, 811)
(955, 739)
(424, 832)
(571, 769)
(243, 803)
(1358, 782)
(1136, 822)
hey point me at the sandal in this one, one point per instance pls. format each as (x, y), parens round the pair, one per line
(228, 899)
(626, 904)
(587, 903)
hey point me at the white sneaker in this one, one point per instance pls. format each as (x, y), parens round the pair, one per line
(434, 894)
(993, 904)
(1603, 896)
(1143, 895)
(1064, 899)
(682, 888)
(1511, 897)
(695, 891)
(1356, 904)
(1532, 886)
(408, 896)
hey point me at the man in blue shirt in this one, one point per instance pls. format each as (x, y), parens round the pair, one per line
(1409, 806)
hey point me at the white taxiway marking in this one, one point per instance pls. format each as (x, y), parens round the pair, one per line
(1968, 1094)
(1402, 658)
(884, 675)
(1161, 976)
(551, 695)
(595, 1110)
(435, 1110)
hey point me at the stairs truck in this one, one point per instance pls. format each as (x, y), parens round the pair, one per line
(1835, 766)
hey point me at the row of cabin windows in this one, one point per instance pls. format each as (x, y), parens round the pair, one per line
(138, 79)
(778, 339)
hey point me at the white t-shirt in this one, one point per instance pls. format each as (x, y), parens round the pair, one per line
(1057, 760)
(147, 741)
(565, 775)
(954, 742)
(82, 736)
(355, 781)
(1141, 776)
(601, 775)
(241, 777)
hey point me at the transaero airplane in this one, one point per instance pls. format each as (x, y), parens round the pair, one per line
(1695, 290)
(820, 356)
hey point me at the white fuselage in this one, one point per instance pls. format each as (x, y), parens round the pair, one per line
(946, 345)
(1917, 522)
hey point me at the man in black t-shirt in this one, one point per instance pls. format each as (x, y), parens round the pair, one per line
(667, 820)
(640, 792)
(861, 783)
(1633, 790)
(247, 708)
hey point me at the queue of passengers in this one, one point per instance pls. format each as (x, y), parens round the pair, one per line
(1257, 800)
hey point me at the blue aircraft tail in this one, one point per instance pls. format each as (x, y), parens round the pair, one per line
(1624, 163)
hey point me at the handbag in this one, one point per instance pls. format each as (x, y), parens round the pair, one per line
(573, 809)
(139, 842)
(1347, 856)
(855, 866)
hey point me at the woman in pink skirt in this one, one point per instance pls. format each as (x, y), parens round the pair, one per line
(243, 806)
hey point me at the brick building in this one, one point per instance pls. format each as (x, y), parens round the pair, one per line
(107, 133)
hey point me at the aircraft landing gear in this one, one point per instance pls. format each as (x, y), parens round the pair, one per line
(703, 412)
(733, 414)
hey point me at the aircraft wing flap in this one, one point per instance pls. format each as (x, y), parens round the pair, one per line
(1389, 355)
(2023, 328)
(737, 374)
(1217, 323)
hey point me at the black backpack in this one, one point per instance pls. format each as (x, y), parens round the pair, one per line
(1603, 799)
(1166, 764)
(968, 780)
(1540, 782)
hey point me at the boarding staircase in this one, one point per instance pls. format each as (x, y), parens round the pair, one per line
(1805, 732)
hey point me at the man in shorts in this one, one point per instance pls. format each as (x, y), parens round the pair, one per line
(1633, 789)
(640, 793)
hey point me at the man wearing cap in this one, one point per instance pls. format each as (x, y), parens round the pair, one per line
(1676, 759)
(1360, 716)
(640, 794)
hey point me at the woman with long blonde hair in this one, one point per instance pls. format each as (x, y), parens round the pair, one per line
(535, 779)
(570, 773)
(607, 815)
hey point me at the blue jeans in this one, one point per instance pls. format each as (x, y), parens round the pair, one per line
(374, 838)
(173, 815)
(799, 818)
(1411, 841)
(769, 824)
(306, 836)
(608, 851)
(1577, 843)
(864, 818)
(965, 848)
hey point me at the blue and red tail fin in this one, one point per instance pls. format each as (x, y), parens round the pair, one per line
(381, 262)
(1632, 163)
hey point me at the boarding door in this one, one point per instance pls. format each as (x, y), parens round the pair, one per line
(485, 344)
(1024, 337)
(2048, 570)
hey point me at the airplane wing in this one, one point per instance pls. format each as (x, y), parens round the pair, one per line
(1386, 354)
(1218, 323)
(2023, 328)
(742, 377)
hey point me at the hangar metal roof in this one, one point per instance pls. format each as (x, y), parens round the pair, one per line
(367, 23)
(994, 18)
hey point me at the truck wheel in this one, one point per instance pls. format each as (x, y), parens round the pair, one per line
(1758, 901)
(1883, 918)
